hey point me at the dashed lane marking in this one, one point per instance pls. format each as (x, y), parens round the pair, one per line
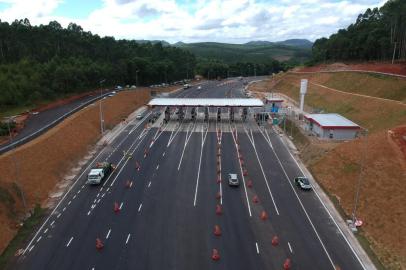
(108, 234)
(256, 245)
(46, 230)
(70, 240)
(149, 184)
(39, 238)
(139, 208)
(128, 238)
(290, 248)
(121, 205)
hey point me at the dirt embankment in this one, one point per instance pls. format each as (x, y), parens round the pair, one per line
(44, 161)
(381, 204)
(398, 68)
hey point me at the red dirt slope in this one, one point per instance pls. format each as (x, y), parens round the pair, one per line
(399, 68)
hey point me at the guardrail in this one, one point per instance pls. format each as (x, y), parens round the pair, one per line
(45, 128)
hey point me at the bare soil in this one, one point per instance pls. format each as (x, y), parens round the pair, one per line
(337, 166)
(397, 68)
(43, 162)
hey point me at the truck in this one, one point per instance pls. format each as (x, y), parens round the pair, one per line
(101, 171)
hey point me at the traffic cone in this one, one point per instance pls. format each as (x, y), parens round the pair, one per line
(242, 162)
(249, 183)
(145, 153)
(255, 199)
(116, 207)
(99, 244)
(264, 215)
(218, 196)
(215, 255)
(128, 184)
(245, 172)
(218, 180)
(287, 264)
(217, 230)
(137, 166)
(219, 211)
(275, 241)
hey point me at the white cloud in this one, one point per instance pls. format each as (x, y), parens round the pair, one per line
(203, 20)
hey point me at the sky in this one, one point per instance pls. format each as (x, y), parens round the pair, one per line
(231, 21)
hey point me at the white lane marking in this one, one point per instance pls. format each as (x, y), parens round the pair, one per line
(157, 167)
(103, 195)
(256, 245)
(69, 202)
(39, 238)
(243, 178)
(108, 189)
(198, 172)
(88, 213)
(121, 206)
(139, 208)
(63, 210)
(74, 197)
(78, 191)
(31, 248)
(98, 194)
(328, 211)
(290, 248)
(263, 173)
(67, 245)
(108, 234)
(46, 230)
(74, 184)
(303, 208)
(163, 154)
(52, 223)
(131, 184)
(58, 216)
(186, 142)
(128, 238)
(149, 184)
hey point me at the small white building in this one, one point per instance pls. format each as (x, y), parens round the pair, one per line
(331, 126)
(273, 104)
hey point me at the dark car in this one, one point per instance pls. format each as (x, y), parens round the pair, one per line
(303, 183)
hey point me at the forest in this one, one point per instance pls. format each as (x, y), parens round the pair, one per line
(378, 34)
(40, 63)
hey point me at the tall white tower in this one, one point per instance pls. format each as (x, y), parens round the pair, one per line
(303, 90)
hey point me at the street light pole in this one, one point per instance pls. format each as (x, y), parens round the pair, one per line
(100, 107)
(17, 172)
(360, 177)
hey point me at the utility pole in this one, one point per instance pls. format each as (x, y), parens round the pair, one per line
(136, 77)
(17, 171)
(360, 177)
(100, 107)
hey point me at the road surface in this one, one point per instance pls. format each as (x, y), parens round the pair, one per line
(167, 209)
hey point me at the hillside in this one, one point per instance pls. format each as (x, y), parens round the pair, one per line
(254, 51)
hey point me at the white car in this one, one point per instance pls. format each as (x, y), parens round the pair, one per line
(140, 116)
(199, 87)
(233, 180)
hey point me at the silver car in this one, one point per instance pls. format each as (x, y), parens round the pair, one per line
(233, 180)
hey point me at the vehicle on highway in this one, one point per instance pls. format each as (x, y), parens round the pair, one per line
(118, 87)
(139, 116)
(233, 180)
(186, 86)
(303, 183)
(133, 87)
(199, 87)
(100, 172)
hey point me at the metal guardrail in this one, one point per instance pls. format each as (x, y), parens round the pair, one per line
(45, 128)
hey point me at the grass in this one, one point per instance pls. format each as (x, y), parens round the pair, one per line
(11, 111)
(23, 233)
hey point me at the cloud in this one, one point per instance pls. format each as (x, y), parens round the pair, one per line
(235, 21)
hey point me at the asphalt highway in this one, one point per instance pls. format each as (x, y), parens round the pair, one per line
(167, 209)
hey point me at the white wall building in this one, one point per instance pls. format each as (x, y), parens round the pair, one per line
(331, 126)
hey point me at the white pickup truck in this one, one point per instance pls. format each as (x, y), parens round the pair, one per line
(96, 175)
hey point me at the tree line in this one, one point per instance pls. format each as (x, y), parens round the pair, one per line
(48, 61)
(377, 34)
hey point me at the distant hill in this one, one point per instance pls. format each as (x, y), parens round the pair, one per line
(143, 41)
(301, 43)
(254, 51)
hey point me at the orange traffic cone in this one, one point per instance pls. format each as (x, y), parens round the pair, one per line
(287, 264)
(275, 241)
(219, 179)
(245, 172)
(137, 166)
(264, 215)
(99, 244)
(218, 196)
(249, 183)
(116, 207)
(217, 230)
(219, 211)
(255, 199)
(215, 255)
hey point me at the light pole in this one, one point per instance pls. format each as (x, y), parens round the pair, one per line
(100, 107)
(136, 77)
(17, 172)
(360, 177)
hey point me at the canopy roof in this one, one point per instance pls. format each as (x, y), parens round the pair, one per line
(207, 102)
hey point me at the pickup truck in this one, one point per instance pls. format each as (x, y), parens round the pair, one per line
(99, 173)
